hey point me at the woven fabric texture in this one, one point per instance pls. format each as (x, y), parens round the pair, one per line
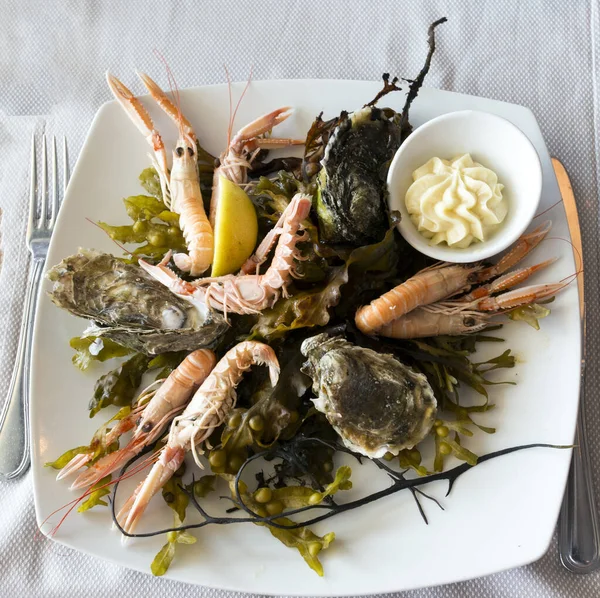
(53, 55)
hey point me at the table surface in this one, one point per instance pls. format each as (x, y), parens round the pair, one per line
(541, 54)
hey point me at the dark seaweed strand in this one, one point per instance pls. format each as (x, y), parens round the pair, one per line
(398, 484)
(416, 84)
(399, 475)
(282, 452)
(387, 88)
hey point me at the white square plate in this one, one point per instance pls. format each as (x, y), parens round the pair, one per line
(499, 515)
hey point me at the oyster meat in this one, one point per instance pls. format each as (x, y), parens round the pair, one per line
(373, 401)
(128, 306)
(351, 187)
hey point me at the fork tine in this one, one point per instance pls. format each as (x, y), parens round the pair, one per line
(66, 173)
(33, 184)
(54, 214)
(44, 193)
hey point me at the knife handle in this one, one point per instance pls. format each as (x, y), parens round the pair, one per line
(578, 537)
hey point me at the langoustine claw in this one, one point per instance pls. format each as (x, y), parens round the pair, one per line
(235, 161)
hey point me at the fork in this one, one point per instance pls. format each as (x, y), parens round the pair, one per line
(43, 210)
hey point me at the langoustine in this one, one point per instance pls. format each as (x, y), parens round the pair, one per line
(209, 407)
(236, 159)
(247, 293)
(180, 186)
(419, 307)
(156, 406)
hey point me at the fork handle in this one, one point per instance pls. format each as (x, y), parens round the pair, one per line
(578, 537)
(14, 421)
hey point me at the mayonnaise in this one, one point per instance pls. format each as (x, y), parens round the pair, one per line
(457, 201)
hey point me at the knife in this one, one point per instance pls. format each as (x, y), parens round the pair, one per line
(578, 535)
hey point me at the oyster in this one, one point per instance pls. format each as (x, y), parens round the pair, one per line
(373, 401)
(128, 306)
(351, 186)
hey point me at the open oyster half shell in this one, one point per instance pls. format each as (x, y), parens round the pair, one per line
(128, 306)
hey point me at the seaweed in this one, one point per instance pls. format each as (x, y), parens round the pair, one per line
(291, 164)
(119, 386)
(387, 88)
(155, 228)
(296, 533)
(348, 156)
(415, 84)
(90, 348)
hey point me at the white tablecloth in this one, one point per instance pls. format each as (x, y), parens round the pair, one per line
(544, 55)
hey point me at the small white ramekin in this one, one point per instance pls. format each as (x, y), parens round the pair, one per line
(492, 141)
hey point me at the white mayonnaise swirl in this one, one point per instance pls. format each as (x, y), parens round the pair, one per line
(457, 201)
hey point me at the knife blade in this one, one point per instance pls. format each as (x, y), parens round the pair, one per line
(570, 205)
(578, 534)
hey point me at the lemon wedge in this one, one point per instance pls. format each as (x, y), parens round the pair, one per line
(235, 231)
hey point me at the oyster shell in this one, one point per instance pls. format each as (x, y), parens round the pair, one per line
(128, 306)
(373, 401)
(351, 200)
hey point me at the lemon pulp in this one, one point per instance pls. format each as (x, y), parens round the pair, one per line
(236, 229)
